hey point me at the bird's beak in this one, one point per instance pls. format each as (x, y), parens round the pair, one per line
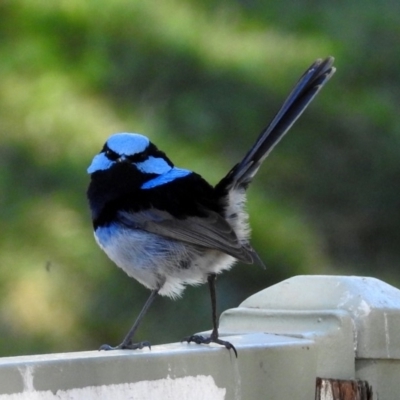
(121, 159)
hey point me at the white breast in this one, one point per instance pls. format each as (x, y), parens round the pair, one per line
(157, 261)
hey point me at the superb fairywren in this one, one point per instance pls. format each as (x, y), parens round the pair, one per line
(166, 226)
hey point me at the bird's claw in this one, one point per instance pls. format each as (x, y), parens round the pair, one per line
(199, 339)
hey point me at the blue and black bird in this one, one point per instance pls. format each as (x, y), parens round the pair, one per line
(166, 226)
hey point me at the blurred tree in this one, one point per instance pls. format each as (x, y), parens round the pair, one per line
(201, 79)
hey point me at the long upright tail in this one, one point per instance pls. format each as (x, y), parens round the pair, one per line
(302, 94)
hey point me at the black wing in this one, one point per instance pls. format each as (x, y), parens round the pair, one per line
(211, 231)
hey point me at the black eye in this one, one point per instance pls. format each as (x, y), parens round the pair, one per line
(111, 155)
(137, 158)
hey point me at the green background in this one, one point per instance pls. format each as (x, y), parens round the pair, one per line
(201, 79)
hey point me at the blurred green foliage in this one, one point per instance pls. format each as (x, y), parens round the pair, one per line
(201, 79)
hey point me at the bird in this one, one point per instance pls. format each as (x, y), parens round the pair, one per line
(166, 226)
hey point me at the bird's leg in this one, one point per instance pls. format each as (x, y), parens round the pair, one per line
(127, 342)
(212, 284)
(214, 337)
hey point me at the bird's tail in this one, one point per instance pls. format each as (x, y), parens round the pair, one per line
(302, 94)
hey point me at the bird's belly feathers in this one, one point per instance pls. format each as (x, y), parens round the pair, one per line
(159, 262)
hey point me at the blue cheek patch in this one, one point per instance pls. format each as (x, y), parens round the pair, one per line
(154, 165)
(171, 175)
(99, 163)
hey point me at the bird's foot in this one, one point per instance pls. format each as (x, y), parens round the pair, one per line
(211, 339)
(126, 346)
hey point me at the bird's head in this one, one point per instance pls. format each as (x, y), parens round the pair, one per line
(132, 149)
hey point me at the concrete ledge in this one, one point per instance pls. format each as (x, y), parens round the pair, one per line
(266, 364)
(332, 331)
(341, 329)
